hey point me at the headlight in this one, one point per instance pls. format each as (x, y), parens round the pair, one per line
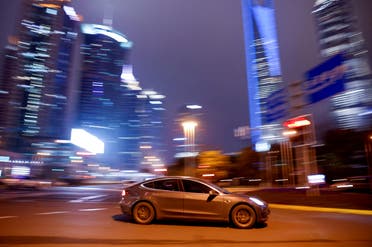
(257, 201)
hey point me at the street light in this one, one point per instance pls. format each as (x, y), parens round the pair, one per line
(189, 134)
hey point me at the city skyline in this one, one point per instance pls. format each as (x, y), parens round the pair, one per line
(205, 79)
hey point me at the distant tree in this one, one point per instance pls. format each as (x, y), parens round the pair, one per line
(344, 146)
(177, 169)
(247, 163)
(213, 162)
(213, 159)
(343, 153)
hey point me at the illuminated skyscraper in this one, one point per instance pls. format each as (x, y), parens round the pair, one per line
(262, 65)
(150, 111)
(103, 102)
(112, 105)
(142, 130)
(338, 34)
(37, 78)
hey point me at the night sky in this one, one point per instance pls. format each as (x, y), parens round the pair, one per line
(192, 51)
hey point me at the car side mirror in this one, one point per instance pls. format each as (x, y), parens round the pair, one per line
(212, 194)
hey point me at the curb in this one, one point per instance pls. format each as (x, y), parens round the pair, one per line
(322, 209)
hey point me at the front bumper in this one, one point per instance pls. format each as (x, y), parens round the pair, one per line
(264, 214)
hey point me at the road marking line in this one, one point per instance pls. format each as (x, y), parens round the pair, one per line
(97, 188)
(86, 198)
(55, 212)
(7, 217)
(91, 209)
(21, 195)
(322, 209)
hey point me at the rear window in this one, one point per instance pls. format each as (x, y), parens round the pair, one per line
(166, 184)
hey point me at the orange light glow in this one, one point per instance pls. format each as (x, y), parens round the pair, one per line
(52, 6)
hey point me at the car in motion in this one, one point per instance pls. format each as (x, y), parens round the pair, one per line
(355, 183)
(189, 198)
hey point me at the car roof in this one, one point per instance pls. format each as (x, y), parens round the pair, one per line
(177, 177)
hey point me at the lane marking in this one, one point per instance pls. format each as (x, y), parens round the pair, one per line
(22, 195)
(322, 209)
(55, 212)
(92, 188)
(91, 209)
(86, 198)
(8, 217)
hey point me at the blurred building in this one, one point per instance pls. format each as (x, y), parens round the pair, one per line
(263, 69)
(102, 108)
(37, 75)
(112, 105)
(40, 102)
(150, 111)
(339, 35)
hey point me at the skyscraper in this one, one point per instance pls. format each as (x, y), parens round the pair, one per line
(103, 102)
(150, 111)
(142, 131)
(339, 35)
(262, 65)
(37, 78)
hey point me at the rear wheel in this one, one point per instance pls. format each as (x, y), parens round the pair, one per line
(243, 216)
(143, 213)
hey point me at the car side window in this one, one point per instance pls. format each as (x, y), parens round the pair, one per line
(195, 187)
(149, 185)
(167, 184)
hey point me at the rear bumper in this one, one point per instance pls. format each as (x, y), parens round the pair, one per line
(125, 207)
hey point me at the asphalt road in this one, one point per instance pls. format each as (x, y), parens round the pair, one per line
(324, 198)
(90, 216)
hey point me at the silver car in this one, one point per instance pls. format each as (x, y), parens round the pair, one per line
(188, 198)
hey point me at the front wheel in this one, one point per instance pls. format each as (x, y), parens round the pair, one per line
(243, 216)
(143, 213)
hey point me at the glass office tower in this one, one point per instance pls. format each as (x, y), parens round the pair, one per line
(37, 75)
(338, 34)
(262, 64)
(112, 104)
(105, 104)
(143, 129)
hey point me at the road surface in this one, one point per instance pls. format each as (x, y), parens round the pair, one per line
(90, 216)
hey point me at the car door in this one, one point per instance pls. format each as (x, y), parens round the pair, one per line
(167, 198)
(200, 204)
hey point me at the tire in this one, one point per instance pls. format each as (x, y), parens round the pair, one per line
(243, 216)
(143, 213)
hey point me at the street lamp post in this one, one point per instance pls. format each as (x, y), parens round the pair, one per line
(189, 145)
